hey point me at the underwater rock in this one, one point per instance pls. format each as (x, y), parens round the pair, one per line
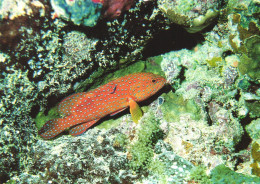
(246, 14)
(174, 168)
(12, 9)
(246, 42)
(230, 74)
(253, 129)
(255, 151)
(198, 138)
(253, 47)
(88, 12)
(203, 104)
(84, 12)
(250, 63)
(60, 58)
(93, 158)
(193, 15)
(17, 15)
(223, 174)
(17, 128)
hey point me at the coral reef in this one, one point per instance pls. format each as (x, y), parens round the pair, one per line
(100, 156)
(198, 174)
(89, 12)
(207, 117)
(256, 158)
(253, 129)
(194, 15)
(13, 9)
(47, 62)
(222, 174)
(141, 151)
(250, 63)
(17, 14)
(84, 12)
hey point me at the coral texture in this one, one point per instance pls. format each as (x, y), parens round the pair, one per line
(202, 127)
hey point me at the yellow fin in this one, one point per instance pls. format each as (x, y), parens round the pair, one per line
(135, 110)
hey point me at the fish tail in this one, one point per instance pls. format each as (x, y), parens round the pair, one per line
(52, 128)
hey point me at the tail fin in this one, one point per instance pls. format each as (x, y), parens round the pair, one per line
(52, 128)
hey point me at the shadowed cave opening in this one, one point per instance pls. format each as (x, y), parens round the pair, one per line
(175, 38)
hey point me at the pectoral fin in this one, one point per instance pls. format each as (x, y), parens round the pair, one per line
(135, 110)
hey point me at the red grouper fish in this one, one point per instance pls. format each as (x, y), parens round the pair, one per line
(81, 110)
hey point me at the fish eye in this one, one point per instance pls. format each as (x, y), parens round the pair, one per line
(153, 80)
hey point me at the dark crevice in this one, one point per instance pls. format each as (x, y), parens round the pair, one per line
(227, 53)
(175, 38)
(4, 177)
(210, 122)
(181, 75)
(243, 143)
(239, 161)
(52, 101)
(34, 111)
(245, 139)
(237, 96)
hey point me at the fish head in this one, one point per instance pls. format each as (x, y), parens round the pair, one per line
(145, 85)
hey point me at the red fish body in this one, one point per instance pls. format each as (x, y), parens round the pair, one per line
(82, 110)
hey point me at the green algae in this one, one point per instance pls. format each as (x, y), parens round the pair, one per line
(174, 105)
(250, 62)
(256, 158)
(153, 65)
(223, 174)
(253, 129)
(215, 61)
(120, 141)
(247, 19)
(254, 108)
(244, 85)
(198, 175)
(253, 47)
(158, 167)
(249, 15)
(148, 134)
(41, 118)
(249, 66)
